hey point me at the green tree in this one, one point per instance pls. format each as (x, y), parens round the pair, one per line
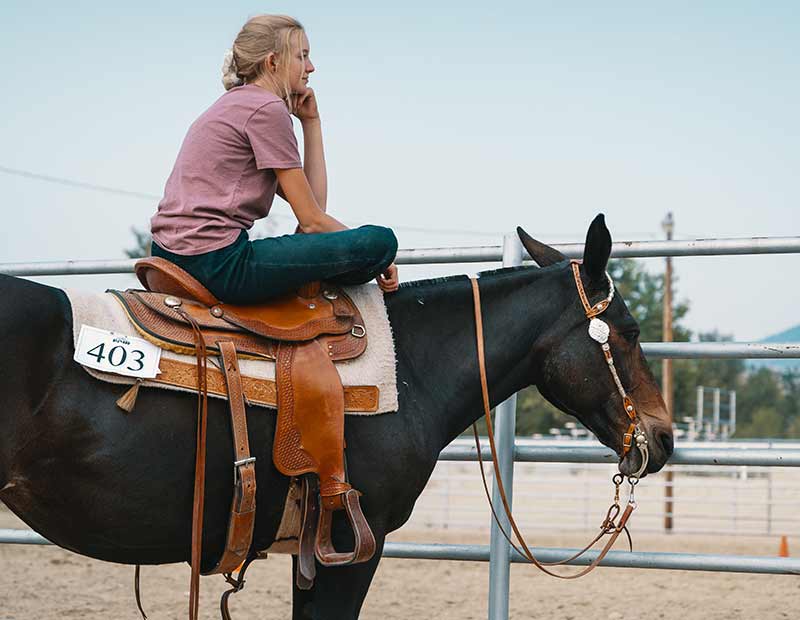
(762, 422)
(536, 415)
(760, 405)
(142, 247)
(689, 374)
(644, 295)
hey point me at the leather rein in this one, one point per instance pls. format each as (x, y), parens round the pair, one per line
(614, 523)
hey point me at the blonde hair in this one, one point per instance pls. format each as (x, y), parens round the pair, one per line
(259, 37)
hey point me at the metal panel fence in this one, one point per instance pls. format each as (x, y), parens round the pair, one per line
(498, 552)
(550, 497)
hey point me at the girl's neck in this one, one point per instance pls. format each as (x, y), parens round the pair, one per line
(262, 83)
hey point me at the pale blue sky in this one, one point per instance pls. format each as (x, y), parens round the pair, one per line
(461, 116)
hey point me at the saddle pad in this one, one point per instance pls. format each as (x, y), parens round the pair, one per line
(287, 538)
(376, 367)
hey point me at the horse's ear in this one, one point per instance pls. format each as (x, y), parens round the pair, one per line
(543, 254)
(597, 249)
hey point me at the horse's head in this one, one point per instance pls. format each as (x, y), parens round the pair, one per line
(572, 370)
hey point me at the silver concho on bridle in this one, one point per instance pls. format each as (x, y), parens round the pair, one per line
(599, 330)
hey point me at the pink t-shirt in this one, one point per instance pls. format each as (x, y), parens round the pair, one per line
(224, 178)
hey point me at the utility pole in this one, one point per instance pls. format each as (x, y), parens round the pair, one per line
(667, 389)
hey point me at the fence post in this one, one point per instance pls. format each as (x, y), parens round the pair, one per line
(700, 399)
(505, 423)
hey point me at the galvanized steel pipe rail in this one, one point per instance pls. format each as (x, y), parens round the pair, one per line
(480, 254)
(480, 553)
(760, 457)
(618, 559)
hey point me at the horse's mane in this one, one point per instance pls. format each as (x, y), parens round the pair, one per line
(432, 281)
(502, 271)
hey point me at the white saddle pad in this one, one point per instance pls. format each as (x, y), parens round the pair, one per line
(377, 366)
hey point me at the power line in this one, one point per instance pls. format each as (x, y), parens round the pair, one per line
(70, 183)
(150, 197)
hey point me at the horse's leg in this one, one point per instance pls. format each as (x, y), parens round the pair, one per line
(302, 600)
(338, 591)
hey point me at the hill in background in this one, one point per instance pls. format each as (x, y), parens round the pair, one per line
(790, 335)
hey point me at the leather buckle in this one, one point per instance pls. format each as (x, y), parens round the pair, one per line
(239, 493)
(627, 440)
(237, 469)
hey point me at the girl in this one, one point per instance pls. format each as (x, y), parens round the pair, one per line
(236, 156)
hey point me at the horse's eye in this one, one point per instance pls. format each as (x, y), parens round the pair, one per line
(631, 335)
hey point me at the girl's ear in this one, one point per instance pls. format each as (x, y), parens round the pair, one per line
(597, 250)
(271, 62)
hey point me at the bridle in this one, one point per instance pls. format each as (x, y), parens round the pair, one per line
(634, 435)
(599, 332)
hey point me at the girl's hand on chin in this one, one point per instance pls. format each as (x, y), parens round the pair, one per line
(305, 106)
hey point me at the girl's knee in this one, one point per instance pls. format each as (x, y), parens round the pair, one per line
(381, 243)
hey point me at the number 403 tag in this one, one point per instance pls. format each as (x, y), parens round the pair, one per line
(117, 353)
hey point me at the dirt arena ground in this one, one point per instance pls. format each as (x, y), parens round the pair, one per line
(47, 583)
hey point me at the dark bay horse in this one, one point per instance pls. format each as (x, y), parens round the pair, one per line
(119, 487)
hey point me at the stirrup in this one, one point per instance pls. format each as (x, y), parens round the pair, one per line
(364, 539)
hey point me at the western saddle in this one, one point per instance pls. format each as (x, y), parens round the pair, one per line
(304, 333)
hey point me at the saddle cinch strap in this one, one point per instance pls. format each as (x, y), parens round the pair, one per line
(304, 333)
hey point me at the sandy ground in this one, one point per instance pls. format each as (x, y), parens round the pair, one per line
(47, 583)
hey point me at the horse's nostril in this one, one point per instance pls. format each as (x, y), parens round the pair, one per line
(666, 443)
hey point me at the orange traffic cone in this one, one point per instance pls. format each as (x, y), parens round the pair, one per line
(783, 550)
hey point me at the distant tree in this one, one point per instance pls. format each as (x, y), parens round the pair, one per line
(689, 374)
(763, 421)
(644, 295)
(142, 247)
(790, 380)
(536, 415)
(761, 405)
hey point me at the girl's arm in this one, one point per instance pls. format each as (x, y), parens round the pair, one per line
(313, 153)
(314, 164)
(296, 190)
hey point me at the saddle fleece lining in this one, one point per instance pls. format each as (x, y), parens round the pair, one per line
(377, 366)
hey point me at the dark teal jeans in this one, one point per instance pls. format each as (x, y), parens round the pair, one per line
(248, 272)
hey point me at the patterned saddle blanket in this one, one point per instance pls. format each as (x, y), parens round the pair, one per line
(369, 380)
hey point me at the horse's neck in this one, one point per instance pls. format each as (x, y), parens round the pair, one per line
(436, 342)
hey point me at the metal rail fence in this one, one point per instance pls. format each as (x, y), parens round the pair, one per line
(549, 497)
(498, 553)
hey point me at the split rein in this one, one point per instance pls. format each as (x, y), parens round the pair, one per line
(616, 519)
